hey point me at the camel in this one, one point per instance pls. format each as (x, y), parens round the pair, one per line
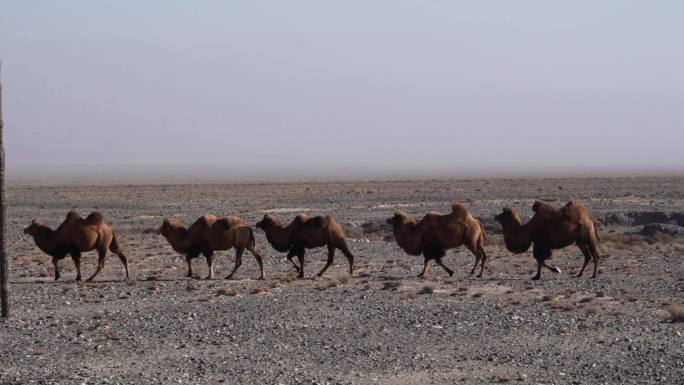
(306, 232)
(436, 233)
(209, 234)
(74, 236)
(551, 228)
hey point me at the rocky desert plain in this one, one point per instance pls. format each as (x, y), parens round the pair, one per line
(382, 325)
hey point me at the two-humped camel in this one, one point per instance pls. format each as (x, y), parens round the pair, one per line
(208, 234)
(551, 228)
(74, 236)
(436, 233)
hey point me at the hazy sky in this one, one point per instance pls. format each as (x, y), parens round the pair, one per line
(489, 86)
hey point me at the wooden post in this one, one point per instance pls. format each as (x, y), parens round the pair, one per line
(4, 259)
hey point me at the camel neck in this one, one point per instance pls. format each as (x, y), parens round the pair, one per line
(279, 236)
(517, 237)
(45, 239)
(179, 239)
(408, 238)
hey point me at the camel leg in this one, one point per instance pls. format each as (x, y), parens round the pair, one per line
(259, 260)
(484, 260)
(478, 257)
(300, 256)
(425, 268)
(350, 257)
(209, 256)
(448, 270)
(100, 264)
(238, 261)
(124, 261)
(541, 254)
(538, 275)
(477, 261)
(290, 255)
(595, 256)
(555, 269)
(587, 258)
(76, 256)
(188, 259)
(331, 258)
(54, 262)
(114, 248)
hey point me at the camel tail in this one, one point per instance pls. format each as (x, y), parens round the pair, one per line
(484, 233)
(252, 240)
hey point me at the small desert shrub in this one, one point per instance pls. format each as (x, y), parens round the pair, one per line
(192, 286)
(629, 241)
(392, 285)
(564, 306)
(110, 335)
(226, 291)
(289, 278)
(259, 290)
(150, 230)
(592, 310)
(586, 299)
(154, 287)
(328, 284)
(676, 312)
(427, 289)
(478, 295)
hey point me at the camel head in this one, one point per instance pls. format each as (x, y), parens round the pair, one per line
(398, 219)
(507, 217)
(35, 227)
(267, 222)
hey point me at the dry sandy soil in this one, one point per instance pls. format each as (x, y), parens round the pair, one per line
(381, 326)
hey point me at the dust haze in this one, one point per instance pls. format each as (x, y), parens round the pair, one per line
(296, 89)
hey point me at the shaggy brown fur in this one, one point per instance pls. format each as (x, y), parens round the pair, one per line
(551, 228)
(74, 236)
(306, 232)
(436, 233)
(209, 234)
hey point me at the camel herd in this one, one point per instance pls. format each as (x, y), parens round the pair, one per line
(550, 228)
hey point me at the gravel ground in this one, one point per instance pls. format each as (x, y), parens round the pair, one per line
(381, 326)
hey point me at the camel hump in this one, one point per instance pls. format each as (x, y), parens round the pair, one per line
(235, 221)
(205, 220)
(429, 218)
(73, 215)
(95, 218)
(301, 218)
(544, 209)
(319, 222)
(458, 210)
(230, 222)
(575, 211)
(72, 218)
